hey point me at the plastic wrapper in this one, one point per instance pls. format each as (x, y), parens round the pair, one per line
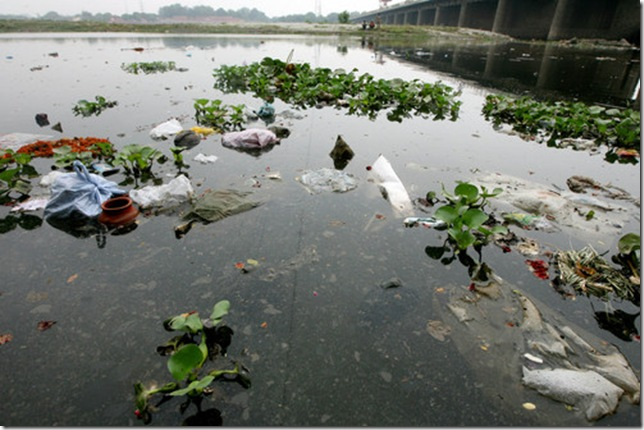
(177, 191)
(166, 130)
(326, 179)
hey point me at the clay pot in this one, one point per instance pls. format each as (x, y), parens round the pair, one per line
(118, 211)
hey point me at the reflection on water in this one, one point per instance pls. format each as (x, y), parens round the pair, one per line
(594, 75)
(324, 342)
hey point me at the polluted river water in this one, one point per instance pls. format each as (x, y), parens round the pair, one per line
(340, 313)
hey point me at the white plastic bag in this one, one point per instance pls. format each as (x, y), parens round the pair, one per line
(253, 138)
(166, 129)
(79, 193)
(174, 192)
(205, 159)
(391, 186)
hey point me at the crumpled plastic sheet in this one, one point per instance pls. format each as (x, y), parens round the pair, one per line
(326, 179)
(32, 204)
(496, 328)
(214, 205)
(391, 186)
(588, 390)
(177, 191)
(252, 138)
(166, 130)
(49, 178)
(563, 208)
(205, 159)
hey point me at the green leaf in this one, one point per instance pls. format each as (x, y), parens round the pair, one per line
(469, 191)
(446, 213)
(498, 229)
(463, 239)
(219, 311)
(141, 397)
(196, 386)
(185, 361)
(474, 218)
(189, 322)
(628, 243)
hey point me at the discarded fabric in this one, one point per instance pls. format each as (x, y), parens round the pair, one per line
(253, 138)
(325, 179)
(79, 192)
(214, 205)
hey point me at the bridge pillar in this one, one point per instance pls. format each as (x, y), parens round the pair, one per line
(427, 16)
(463, 15)
(447, 15)
(524, 19)
(478, 14)
(411, 17)
(591, 19)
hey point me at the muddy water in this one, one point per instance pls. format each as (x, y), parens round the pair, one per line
(325, 344)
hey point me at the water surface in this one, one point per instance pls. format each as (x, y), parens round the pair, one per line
(325, 344)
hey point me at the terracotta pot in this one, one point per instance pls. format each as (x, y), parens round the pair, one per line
(118, 211)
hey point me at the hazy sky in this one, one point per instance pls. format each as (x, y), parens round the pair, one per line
(271, 8)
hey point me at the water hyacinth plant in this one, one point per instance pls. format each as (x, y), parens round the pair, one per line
(304, 86)
(215, 114)
(619, 129)
(137, 159)
(87, 108)
(149, 67)
(202, 341)
(465, 217)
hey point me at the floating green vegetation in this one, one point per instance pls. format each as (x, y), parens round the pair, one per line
(304, 86)
(87, 108)
(15, 172)
(465, 217)
(213, 113)
(137, 159)
(150, 67)
(619, 129)
(202, 342)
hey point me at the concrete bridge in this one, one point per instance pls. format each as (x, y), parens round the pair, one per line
(521, 19)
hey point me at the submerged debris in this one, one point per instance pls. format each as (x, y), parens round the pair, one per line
(588, 273)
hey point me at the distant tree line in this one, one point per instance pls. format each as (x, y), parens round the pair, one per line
(167, 13)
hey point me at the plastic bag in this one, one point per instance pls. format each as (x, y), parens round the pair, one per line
(253, 138)
(174, 192)
(391, 186)
(166, 129)
(79, 193)
(326, 179)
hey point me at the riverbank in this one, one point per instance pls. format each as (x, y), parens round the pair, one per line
(44, 26)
